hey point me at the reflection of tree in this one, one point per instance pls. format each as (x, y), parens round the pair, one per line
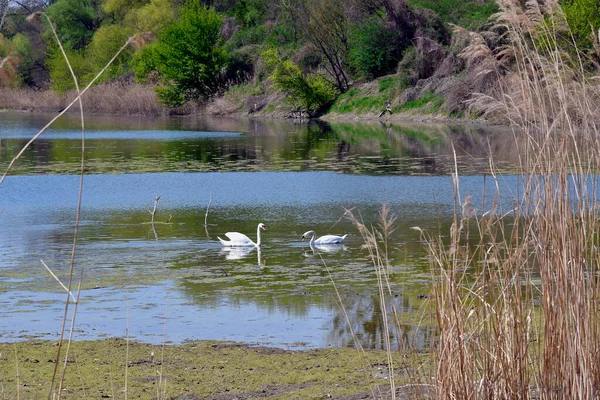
(365, 315)
(348, 147)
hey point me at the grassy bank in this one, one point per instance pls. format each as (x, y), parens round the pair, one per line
(116, 369)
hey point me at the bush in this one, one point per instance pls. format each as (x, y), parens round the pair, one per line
(583, 16)
(61, 77)
(106, 42)
(374, 49)
(309, 92)
(188, 56)
(76, 21)
(466, 13)
(248, 36)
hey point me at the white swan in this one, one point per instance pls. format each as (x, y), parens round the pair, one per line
(239, 239)
(326, 239)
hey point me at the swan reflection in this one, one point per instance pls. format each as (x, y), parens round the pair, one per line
(238, 253)
(325, 248)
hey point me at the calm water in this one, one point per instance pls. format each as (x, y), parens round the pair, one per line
(173, 281)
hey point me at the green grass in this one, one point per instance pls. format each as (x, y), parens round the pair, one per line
(387, 83)
(269, 108)
(465, 13)
(430, 103)
(353, 102)
(245, 89)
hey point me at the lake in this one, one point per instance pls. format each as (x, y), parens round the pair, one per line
(172, 281)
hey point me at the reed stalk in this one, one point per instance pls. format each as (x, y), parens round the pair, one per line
(515, 289)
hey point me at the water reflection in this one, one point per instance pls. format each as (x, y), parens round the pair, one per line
(316, 249)
(369, 148)
(238, 253)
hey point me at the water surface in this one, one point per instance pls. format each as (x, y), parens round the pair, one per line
(172, 281)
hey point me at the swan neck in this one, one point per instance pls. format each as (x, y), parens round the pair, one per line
(312, 238)
(258, 241)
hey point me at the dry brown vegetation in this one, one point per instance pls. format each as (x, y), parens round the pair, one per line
(117, 97)
(516, 285)
(516, 289)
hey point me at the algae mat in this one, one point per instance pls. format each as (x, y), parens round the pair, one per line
(116, 369)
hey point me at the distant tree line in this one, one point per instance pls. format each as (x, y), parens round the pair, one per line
(313, 50)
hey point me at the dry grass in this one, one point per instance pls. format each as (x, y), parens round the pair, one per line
(516, 289)
(117, 97)
(516, 286)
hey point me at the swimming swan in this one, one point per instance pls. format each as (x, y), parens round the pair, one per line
(326, 239)
(239, 239)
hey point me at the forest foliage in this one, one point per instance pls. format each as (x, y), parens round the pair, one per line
(312, 50)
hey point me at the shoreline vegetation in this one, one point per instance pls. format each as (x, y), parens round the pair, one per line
(383, 59)
(391, 60)
(131, 99)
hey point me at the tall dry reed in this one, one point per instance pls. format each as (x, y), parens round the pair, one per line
(516, 288)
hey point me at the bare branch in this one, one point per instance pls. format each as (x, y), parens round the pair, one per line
(153, 212)
(207, 207)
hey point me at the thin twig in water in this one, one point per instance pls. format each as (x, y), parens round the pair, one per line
(154, 231)
(207, 207)
(206, 216)
(153, 212)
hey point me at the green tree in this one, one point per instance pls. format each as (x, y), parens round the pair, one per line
(374, 48)
(76, 21)
(141, 15)
(59, 71)
(325, 24)
(189, 55)
(306, 91)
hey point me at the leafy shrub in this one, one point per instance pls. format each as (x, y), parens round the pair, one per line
(280, 35)
(106, 42)
(240, 65)
(307, 91)
(61, 77)
(374, 49)
(248, 12)
(248, 36)
(466, 13)
(170, 96)
(583, 16)
(188, 56)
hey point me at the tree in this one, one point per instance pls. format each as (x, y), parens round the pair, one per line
(76, 21)
(325, 24)
(374, 48)
(189, 55)
(306, 91)
(141, 15)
